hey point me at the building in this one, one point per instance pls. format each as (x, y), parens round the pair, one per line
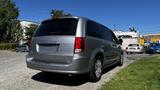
(152, 37)
(24, 24)
(128, 37)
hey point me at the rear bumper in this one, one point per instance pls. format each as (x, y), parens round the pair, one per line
(78, 66)
(135, 51)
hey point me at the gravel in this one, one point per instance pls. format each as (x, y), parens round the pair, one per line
(14, 75)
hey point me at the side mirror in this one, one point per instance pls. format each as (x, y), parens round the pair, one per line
(120, 41)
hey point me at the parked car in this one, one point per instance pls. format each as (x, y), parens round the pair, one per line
(22, 48)
(74, 45)
(154, 48)
(134, 48)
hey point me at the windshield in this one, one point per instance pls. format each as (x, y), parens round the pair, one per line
(57, 27)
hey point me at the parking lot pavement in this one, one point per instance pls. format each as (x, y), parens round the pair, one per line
(14, 75)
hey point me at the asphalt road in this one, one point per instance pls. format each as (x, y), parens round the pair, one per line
(14, 75)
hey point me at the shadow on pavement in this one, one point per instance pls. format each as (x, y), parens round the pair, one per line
(61, 79)
(64, 79)
(107, 69)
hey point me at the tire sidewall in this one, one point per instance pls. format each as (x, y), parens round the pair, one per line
(92, 75)
(121, 61)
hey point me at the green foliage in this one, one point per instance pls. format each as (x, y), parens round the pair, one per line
(59, 13)
(143, 74)
(30, 30)
(9, 25)
(7, 46)
(133, 29)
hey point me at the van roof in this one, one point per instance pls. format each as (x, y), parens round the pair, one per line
(76, 17)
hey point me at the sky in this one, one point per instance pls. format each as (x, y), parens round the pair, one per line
(144, 15)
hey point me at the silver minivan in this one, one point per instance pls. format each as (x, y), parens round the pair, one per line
(74, 45)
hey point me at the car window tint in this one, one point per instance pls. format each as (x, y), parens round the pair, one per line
(93, 29)
(130, 45)
(65, 26)
(133, 45)
(106, 34)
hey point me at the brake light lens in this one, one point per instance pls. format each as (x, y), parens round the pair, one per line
(79, 44)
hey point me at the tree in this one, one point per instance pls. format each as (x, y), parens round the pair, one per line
(30, 30)
(9, 24)
(15, 32)
(59, 13)
(133, 29)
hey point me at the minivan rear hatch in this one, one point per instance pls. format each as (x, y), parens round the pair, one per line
(54, 40)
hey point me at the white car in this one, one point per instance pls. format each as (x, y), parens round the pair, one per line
(134, 48)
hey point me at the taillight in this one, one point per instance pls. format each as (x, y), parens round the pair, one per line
(79, 44)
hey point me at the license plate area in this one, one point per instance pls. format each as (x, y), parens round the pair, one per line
(47, 48)
(132, 48)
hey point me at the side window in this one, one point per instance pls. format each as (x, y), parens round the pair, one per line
(93, 29)
(107, 34)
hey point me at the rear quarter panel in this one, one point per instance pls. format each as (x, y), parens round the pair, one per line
(93, 47)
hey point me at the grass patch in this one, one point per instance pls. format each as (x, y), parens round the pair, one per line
(143, 74)
(7, 46)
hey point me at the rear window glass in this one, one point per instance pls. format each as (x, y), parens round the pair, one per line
(133, 45)
(57, 27)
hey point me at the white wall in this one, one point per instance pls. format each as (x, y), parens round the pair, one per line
(130, 40)
(25, 24)
(120, 33)
(127, 41)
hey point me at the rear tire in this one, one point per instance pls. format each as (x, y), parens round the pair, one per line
(127, 52)
(96, 70)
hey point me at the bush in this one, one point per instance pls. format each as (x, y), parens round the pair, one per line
(7, 46)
